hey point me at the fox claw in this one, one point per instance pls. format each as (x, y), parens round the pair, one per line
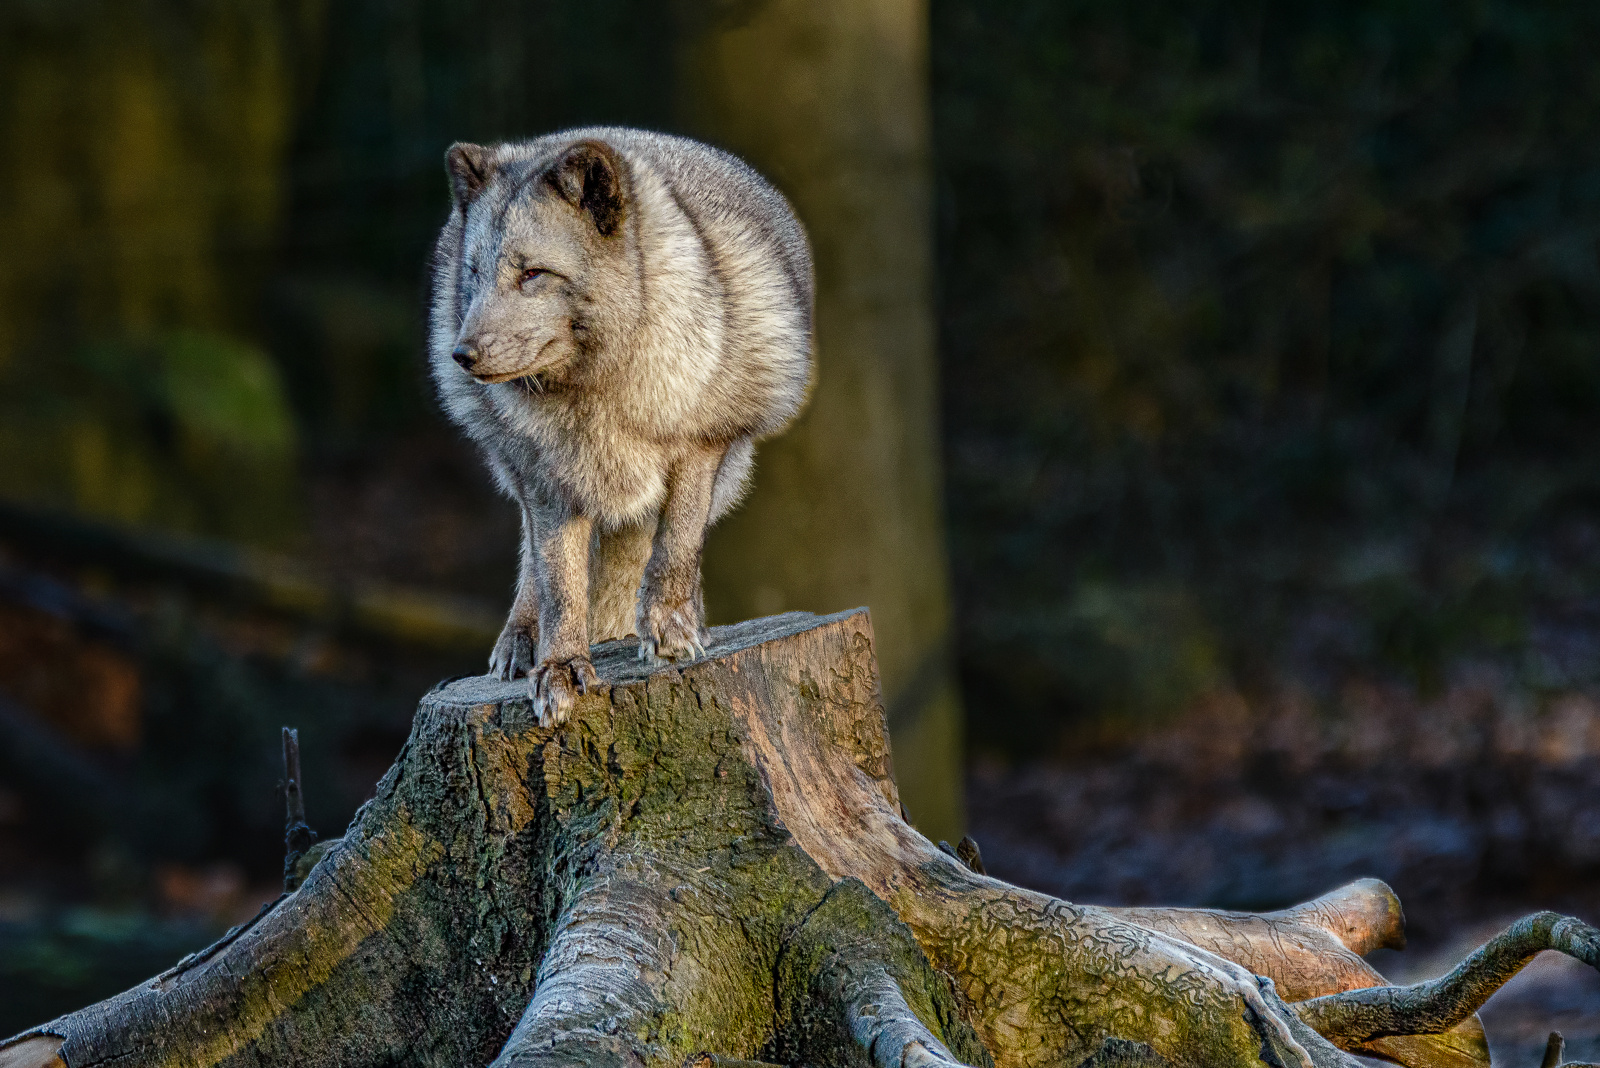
(556, 685)
(513, 652)
(672, 635)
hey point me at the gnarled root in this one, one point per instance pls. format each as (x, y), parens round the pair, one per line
(854, 985)
(601, 988)
(1354, 1017)
(1309, 950)
(1314, 949)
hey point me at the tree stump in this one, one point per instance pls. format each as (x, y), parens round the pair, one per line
(709, 862)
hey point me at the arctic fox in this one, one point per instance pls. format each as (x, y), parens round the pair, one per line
(618, 316)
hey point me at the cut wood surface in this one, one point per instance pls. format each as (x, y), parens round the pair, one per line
(709, 862)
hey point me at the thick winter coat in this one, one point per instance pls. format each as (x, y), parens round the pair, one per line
(618, 316)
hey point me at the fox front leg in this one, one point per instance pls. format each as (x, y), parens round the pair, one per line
(561, 568)
(519, 639)
(671, 610)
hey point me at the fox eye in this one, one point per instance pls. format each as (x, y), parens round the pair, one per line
(533, 272)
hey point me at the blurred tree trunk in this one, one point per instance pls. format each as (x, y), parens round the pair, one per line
(142, 152)
(831, 101)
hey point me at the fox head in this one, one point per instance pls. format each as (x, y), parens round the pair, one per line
(544, 271)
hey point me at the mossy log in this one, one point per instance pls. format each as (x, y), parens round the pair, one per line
(710, 863)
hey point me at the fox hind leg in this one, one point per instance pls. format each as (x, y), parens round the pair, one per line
(616, 568)
(671, 616)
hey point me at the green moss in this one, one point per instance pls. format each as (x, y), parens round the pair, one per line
(849, 931)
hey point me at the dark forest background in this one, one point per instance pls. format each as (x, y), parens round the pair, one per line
(1269, 351)
(1269, 343)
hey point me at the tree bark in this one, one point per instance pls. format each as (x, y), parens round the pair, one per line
(709, 862)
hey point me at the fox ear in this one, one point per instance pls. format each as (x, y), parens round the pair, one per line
(470, 167)
(589, 177)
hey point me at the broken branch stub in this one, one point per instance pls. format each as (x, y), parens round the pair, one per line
(706, 862)
(298, 837)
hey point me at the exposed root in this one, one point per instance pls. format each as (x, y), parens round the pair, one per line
(594, 1000)
(854, 986)
(1353, 1017)
(885, 1027)
(1309, 950)
(1048, 982)
(1315, 949)
(1365, 915)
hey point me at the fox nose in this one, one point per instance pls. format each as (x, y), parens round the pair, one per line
(466, 355)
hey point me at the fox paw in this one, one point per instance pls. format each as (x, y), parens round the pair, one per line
(556, 685)
(513, 652)
(671, 632)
